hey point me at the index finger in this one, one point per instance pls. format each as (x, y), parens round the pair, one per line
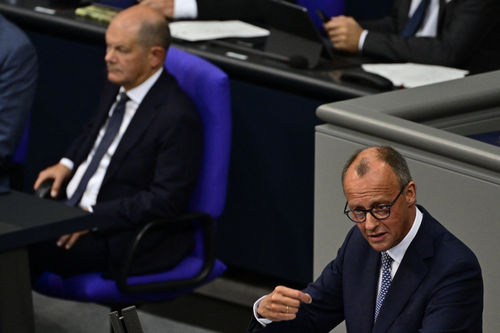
(62, 240)
(39, 180)
(295, 294)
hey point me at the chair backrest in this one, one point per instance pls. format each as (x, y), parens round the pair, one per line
(329, 7)
(208, 88)
(22, 148)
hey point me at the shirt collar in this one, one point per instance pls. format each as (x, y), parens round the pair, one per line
(138, 93)
(397, 252)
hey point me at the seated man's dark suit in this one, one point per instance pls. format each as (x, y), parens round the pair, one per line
(437, 288)
(467, 36)
(152, 174)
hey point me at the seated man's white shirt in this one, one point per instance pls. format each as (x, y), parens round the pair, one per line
(397, 253)
(89, 197)
(184, 9)
(429, 25)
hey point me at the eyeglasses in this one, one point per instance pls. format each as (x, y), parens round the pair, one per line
(380, 212)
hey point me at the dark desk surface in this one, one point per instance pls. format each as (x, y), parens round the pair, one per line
(25, 219)
(322, 83)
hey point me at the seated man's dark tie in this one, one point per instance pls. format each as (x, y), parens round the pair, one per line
(416, 19)
(112, 129)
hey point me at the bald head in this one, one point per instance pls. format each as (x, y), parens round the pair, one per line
(361, 162)
(148, 25)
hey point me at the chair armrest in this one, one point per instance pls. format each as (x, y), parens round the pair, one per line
(43, 191)
(208, 228)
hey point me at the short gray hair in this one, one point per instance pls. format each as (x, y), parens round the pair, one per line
(386, 154)
(154, 33)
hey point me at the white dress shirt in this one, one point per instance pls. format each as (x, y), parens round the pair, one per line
(89, 197)
(185, 9)
(397, 253)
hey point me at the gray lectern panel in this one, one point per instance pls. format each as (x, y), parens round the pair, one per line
(458, 179)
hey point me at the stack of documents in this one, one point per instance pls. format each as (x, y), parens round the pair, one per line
(194, 31)
(410, 75)
(97, 12)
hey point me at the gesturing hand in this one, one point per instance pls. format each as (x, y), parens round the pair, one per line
(282, 304)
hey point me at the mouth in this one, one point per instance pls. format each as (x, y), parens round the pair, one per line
(111, 68)
(377, 237)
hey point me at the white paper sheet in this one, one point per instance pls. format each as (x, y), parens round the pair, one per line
(412, 75)
(205, 30)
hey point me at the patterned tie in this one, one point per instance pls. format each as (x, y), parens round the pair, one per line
(112, 129)
(386, 281)
(416, 19)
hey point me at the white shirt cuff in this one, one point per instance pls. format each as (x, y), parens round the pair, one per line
(67, 163)
(262, 321)
(186, 9)
(362, 40)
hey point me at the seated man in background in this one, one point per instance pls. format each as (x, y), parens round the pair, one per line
(136, 161)
(18, 75)
(398, 270)
(454, 33)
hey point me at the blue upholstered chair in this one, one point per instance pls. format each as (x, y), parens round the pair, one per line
(208, 87)
(329, 7)
(19, 156)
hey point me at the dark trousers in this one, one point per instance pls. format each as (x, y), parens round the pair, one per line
(89, 254)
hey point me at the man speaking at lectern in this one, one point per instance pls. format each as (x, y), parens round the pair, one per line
(398, 270)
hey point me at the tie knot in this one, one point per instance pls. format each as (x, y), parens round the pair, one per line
(386, 258)
(123, 98)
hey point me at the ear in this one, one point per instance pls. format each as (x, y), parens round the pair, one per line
(157, 56)
(411, 193)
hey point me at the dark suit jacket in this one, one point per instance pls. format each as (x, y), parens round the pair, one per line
(437, 288)
(467, 36)
(248, 10)
(152, 173)
(18, 74)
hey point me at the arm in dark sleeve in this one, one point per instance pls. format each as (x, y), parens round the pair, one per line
(463, 27)
(248, 10)
(386, 24)
(327, 308)
(172, 179)
(18, 75)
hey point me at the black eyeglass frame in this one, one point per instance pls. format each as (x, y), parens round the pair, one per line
(366, 211)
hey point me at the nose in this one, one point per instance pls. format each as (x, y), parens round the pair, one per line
(371, 223)
(109, 55)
